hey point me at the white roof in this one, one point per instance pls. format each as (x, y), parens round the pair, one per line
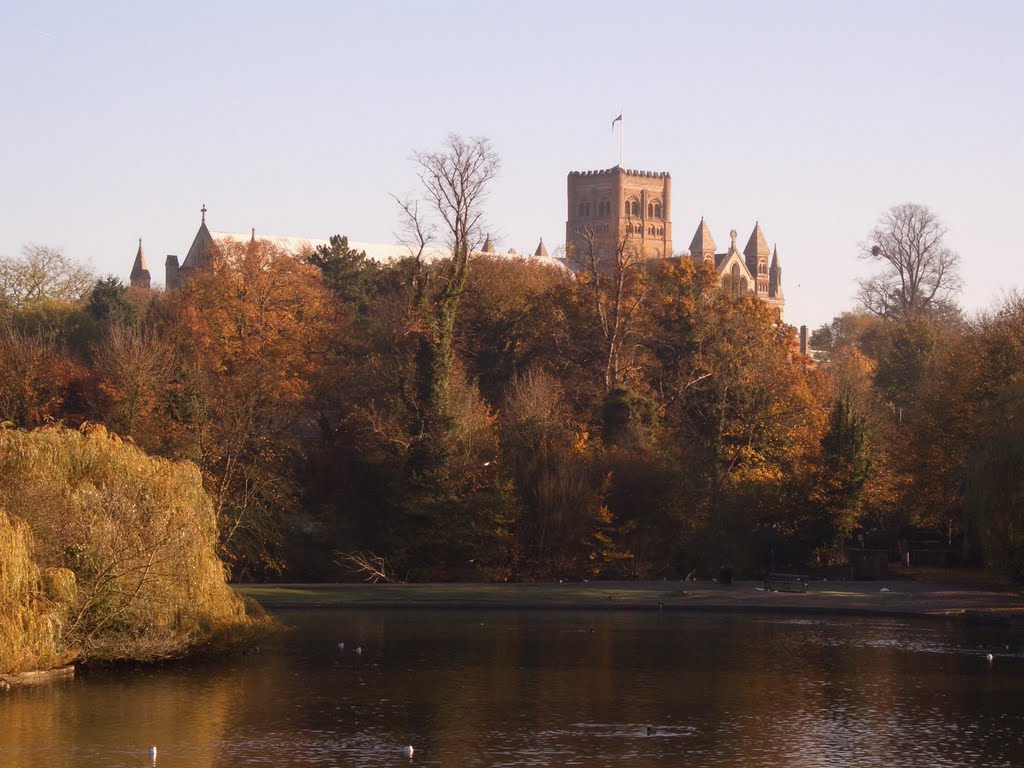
(382, 253)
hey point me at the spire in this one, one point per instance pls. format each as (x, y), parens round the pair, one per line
(541, 251)
(775, 276)
(703, 244)
(253, 238)
(488, 245)
(140, 272)
(757, 245)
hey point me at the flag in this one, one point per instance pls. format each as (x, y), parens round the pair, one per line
(616, 120)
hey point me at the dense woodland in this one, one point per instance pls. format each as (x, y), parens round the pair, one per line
(491, 418)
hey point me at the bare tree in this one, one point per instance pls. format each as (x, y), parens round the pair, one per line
(43, 274)
(456, 180)
(618, 283)
(920, 272)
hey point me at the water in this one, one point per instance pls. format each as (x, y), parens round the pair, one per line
(549, 688)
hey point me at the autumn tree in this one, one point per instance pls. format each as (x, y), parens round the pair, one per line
(254, 326)
(920, 273)
(136, 368)
(43, 274)
(35, 379)
(616, 281)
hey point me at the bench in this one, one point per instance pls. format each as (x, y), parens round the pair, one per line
(785, 582)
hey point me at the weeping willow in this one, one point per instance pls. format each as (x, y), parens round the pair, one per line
(107, 554)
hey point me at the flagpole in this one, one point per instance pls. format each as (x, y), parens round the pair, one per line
(622, 135)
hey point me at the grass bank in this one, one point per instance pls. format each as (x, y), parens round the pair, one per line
(902, 596)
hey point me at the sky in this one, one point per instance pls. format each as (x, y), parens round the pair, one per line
(120, 120)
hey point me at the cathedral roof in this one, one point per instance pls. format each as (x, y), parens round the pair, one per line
(757, 245)
(702, 241)
(488, 245)
(200, 248)
(541, 251)
(775, 259)
(382, 253)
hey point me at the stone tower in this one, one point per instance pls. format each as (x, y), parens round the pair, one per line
(618, 207)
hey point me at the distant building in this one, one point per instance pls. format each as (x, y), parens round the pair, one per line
(609, 209)
(205, 244)
(743, 272)
(619, 208)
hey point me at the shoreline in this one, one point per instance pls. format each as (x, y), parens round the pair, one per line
(901, 597)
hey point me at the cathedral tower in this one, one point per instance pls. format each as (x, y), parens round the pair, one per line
(618, 206)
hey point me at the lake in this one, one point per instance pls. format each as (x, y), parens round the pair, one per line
(549, 688)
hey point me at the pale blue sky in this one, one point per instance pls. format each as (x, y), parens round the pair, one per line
(121, 119)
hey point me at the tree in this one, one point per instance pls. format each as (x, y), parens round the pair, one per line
(346, 271)
(254, 327)
(109, 302)
(920, 273)
(43, 274)
(618, 286)
(455, 180)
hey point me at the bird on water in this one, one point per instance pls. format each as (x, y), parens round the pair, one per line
(407, 751)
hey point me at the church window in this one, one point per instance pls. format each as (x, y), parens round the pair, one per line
(661, 231)
(657, 210)
(650, 210)
(627, 207)
(636, 207)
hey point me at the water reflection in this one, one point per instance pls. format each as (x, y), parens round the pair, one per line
(549, 689)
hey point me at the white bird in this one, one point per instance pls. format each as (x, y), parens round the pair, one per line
(407, 752)
(152, 754)
(990, 657)
(359, 649)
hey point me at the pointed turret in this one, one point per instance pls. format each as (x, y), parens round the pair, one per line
(702, 247)
(488, 245)
(140, 272)
(757, 245)
(541, 251)
(775, 276)
(756, 254)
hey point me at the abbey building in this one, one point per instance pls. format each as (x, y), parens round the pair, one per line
(620, 211)
(612, 211)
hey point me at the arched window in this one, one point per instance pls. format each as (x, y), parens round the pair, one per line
(650, 210)
(735, 280)
(661, 231)
(650, 230)
(636, 207)
(657, 210)
(762, 268)
(627, 207)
